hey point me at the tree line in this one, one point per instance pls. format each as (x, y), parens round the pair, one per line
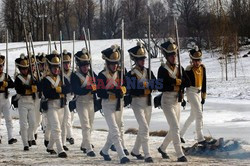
(209, 23)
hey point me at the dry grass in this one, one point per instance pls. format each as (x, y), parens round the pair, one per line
(161, 133)
(77, 127)
(102, 130)
(133, 131)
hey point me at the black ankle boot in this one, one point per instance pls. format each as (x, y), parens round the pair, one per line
(182, 159)
(138, 156)
(106, 157)
(124, 160)
(164, 155)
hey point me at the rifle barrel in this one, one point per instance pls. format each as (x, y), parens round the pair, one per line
(89, 41)
(91, 62)
(149, 53)
(178, 44)
(74, 38)
(61, 53)
(7, 54)
(33, 50)
(180, 93)
(122, 52)
(85, 39)
(28, 52)
(122, 64)
(49, 47)
(149, 58)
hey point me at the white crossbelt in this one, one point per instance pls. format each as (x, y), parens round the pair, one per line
(54, 83)
(141, 76)
(83, 79)
(25, 81)
(172, 73)
(2, 77)
(111, 79)
(68, 75)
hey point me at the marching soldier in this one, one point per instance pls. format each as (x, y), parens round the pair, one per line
(6, 83)
(172, 83)
(110, 92)
(196, 94)
(120, 123)
(83, 87)
(41, 60)
(54, 91)
(67, 123)
(140, 96)
(38, 115)
(26, 88)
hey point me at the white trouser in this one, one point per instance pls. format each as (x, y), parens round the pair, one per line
(109, 110)
(120, 124)
(143, 115)
(26, 109)
(38, 115)
(66, 124)
(4, 109)
(194, 98)
(55, 117)
(46, 127)
(70, 125)
(86, 113)
(171, 109)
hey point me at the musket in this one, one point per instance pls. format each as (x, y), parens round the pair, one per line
(55, 45)
(119, 102)
(28, 52)
(87, 44)
(61, 53)
(29, 58)
(149, 59)
(6, 62)
(37, 69)
(89, 41)
(49, 45)
(73, 63)
(7, 53)
(85, 39)
(91, 67)
(180, 93)
(91, 64)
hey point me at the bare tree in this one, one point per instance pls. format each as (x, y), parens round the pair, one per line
(239, 15)
(135, 16)
(111, 20)
(66, 16)
(84, 13)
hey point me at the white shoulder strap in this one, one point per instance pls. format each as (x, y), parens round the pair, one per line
(171, 72)
(25, 81)
(67, 75)
(2, 77)
(111, 79)
(54, 83)
(139, 74)
(83, 79)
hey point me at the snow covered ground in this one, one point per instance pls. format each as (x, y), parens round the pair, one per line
(226, 112)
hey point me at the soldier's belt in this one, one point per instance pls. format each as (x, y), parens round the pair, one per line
(144, 95)
(2, 89)
(26, 94)
(176, 88)
(194, 89)
(112, 97)
(61, 95)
